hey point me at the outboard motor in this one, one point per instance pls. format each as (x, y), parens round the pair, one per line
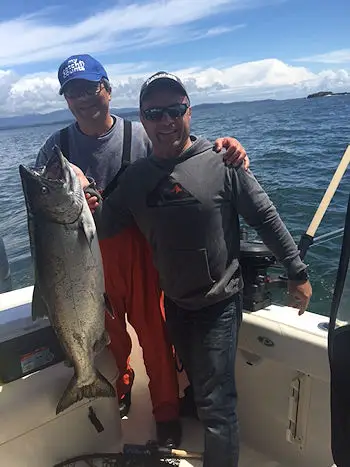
(255, 260)
(5, 274)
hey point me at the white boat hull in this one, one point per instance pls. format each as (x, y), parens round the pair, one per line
(283, 384)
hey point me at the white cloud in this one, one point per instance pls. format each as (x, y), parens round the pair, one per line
(145, 24)
(269, 78)
(217, 31)
(36, 38)
(32, 94)
(7, 78)
(336, 56)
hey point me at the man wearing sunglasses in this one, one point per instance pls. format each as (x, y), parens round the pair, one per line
(101, 145)
(187, 203)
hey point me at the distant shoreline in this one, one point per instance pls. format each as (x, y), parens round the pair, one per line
(326, 94)
(65, 117)
(34, 125)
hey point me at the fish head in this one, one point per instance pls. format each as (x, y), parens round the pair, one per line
(54, 191)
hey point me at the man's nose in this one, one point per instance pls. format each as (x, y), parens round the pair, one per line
(166, 118)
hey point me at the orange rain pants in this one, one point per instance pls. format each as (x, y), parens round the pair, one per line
(131, 282)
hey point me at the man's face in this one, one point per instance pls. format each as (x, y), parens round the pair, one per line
(87, 100)
(166, 117)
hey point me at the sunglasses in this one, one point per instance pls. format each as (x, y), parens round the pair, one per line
(75, 90)
(174, 111)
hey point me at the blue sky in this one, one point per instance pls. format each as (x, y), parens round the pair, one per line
(227, 50)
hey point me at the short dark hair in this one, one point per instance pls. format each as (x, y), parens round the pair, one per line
(107, 85)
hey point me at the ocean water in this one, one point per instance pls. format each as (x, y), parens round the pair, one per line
(294, 146)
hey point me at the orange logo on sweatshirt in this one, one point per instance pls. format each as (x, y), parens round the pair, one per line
(177, 189)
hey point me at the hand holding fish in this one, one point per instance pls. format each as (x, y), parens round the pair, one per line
(83, 180)
(91, 200)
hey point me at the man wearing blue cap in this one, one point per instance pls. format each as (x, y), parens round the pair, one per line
(102, 145)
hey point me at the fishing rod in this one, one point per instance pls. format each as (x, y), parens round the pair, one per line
(327, 236)
(307, 238)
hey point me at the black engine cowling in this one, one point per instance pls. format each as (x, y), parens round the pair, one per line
(255, 260)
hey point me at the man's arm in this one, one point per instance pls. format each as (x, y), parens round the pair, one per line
(256, 208)
(254, 205)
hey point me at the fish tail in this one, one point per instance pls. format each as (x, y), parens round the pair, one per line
(100, 387)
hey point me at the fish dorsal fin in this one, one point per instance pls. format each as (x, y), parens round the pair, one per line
(40, 308)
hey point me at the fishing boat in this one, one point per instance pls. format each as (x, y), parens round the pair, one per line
(291, 375)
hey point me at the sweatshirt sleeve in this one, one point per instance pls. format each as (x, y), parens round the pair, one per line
(254, 205)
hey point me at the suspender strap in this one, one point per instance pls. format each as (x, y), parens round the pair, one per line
(126, 158)
(126, 143)
(64, 142)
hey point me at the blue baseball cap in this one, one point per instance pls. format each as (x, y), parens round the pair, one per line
(80, 67)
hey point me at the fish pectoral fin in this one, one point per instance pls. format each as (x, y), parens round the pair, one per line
(108, 305)
(88, 231)
(100, 345)
(39, 306)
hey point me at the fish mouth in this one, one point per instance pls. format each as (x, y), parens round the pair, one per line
(54, 171)
(55, 167)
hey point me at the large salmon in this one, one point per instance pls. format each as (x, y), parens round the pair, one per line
(69, 280)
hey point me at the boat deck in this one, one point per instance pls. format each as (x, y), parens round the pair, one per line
(139, 427)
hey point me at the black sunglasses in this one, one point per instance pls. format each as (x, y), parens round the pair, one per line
(75, 90)
(174, 111)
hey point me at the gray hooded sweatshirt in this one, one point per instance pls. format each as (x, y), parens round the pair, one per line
(188, 209)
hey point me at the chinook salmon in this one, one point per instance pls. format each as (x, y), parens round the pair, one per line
(69, 281)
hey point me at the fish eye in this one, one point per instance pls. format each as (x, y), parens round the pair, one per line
(44, 190)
